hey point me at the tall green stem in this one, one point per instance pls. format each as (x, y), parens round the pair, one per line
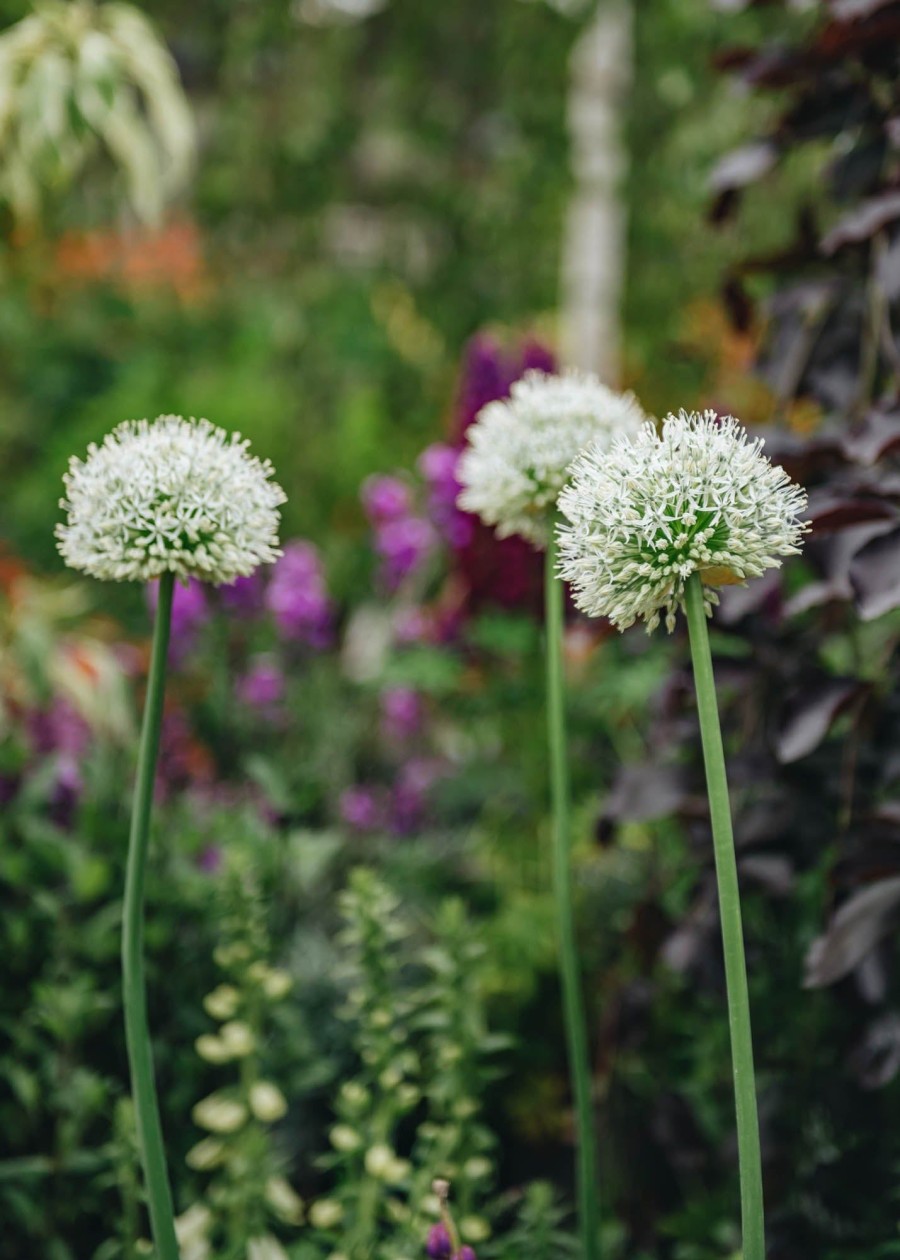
(573, 1001)
(752, 1222)
(137, 1033)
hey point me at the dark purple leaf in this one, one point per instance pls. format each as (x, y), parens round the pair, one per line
(850, 10)
(876, 1059)
(774, 874)
(763, 594)
(854, 930)
(811, 715)
(877, 433)
(832, 555)
(888, 270)
(875, 575)
(743, 166)
(830, 511)
(863, 223)
(642, 792)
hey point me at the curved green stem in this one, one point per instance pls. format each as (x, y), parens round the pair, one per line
(749, 1157)
(137, 1033)
(573, 1001)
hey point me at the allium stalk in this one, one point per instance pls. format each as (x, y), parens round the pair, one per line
(570, 978)
(172, 499)
(137, 1032)
(654, 526)
(749, 1157)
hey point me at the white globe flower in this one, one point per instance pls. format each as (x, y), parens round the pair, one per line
(520, 449)
(647, 513)
(178, 496)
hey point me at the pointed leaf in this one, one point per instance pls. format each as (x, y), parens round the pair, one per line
(853, 931)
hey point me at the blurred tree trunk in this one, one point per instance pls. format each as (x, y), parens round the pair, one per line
(593, 261)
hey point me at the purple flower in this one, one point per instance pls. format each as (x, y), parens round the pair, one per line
(210, 859)
(262, 687)
(190, 612)
(58, 729)
(438, 1246)
(437, 463)
(66, 790)
(536, 357)
(465, 1253)
(359, 808)
(244, 596)
(401, 713)
(412, 625)
(411, 792)
(385, 499)
(297, 598)
(487, 375)
(403, 545)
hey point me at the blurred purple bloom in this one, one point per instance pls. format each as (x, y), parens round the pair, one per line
(403, 545)
(66, 790)
(438, 1246)
(359, 808)
(401, 713)
(297, 598)
(210, 859)
(537, 357)
(465, 1253)
(58, 729)
(262, 687)
(437, 463)
(385, 499)
(243, 596)
(412, 625)
(190, 612)
(412, 789)
(487, 375)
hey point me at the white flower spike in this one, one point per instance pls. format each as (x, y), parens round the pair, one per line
(179, 496)
(520, 449)
(645, 514)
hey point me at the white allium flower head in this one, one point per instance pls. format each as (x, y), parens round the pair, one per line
(520, 449)
(647, 513)
(175, 496)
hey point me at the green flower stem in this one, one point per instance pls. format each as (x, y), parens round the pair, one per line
(750, 1161)
(573, 1001)
(137, 1033)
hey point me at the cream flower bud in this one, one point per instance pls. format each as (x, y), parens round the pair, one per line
(379, 1160)
(520, 450)
(646, 513)
(238, 1038)
(326, 1213)
(284, 1200)
(265, 1248)
(267, 1102)
(175, 496)
(219, 1114)
(222, 1002)
(208, 1153)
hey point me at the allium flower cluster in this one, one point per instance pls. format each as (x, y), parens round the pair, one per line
(647, 513)
(520, 450)
(175, 496)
